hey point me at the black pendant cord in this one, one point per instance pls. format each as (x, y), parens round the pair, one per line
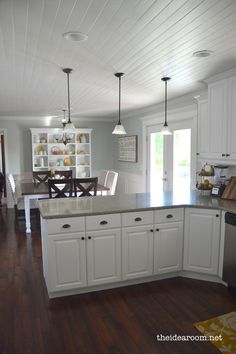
(67, 71)
(119, 75)
(119, 122)
(165, 79)
(68, 88)
(165, 104)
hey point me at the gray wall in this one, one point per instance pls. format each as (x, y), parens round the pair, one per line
(20, 149)
(133, 126)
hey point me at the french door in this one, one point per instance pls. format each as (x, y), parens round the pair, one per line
(170, 158)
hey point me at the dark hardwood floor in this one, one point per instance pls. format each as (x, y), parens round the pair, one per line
(119, 321)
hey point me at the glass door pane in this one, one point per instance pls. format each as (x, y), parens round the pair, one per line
(156, 162)
(181, 159)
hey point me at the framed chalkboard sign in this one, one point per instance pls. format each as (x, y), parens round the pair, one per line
(127, 146)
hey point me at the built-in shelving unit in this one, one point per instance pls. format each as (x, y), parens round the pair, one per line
(53, 149)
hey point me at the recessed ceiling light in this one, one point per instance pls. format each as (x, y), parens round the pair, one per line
(202, 53)
(75, 36)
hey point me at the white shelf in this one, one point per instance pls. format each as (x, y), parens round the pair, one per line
(50, 160)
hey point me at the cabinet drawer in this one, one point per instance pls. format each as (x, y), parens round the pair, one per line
(137, 218)
(105, 221)
(65, 225)
(168, 215)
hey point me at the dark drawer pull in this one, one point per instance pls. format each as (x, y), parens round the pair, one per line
(89, 237)
(157, 229)
(66, 226)
(151, 230)
(138, 219)
(223, 154)
(227, 155)
(217, 215)
(169, 216)
(103, 222)
(82, 238)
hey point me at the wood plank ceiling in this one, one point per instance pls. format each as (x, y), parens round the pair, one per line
(145, 39)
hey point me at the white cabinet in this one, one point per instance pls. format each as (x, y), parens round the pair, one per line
(79, 252)
(201, 240)
(218, 118)
(104, 256)
(168, 240)
(231, 141)
(66, 261)
(137, 245)
(216, 121)
(103, 249)
(203, 142)
(53, 149)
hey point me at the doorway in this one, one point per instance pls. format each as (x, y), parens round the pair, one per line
(3, 171)
(170, 160)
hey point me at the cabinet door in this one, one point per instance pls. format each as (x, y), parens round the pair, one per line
(232, 121)
(137, 251)
(66, 261)
(168, 245)
(218, 113)
(104, 256)
(201, 240)
(203, 147)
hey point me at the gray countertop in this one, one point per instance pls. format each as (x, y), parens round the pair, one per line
(67, 207)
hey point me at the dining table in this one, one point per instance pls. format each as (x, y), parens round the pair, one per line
(35, 191)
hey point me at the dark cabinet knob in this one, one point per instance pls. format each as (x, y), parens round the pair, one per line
(198, 154)
(66, 226)
(89, 237)
(138, 219)
(227, 155)
(151, 230)
(223, 154)
(217, 215)
(103, 222)
(82, 238)
(169, 216)
(157, 229)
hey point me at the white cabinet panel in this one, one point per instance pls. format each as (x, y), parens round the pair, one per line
(201, 240)
(168, 215)
(67, 261)
(168, 245)
(101, 222)
(231, 149)
(218, 118)
(137, 251)
(203, 141)
(104, 256)
(64, 225)
(137, 218)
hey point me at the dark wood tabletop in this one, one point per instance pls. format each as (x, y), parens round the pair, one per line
(31, 188)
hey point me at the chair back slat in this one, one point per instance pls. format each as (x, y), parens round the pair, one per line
(64, 173)
(86, 187)
(41, 176)
(61, 188)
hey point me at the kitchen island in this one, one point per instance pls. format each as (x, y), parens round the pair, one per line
(99, 242)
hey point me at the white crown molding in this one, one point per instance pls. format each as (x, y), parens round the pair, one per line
(224, 75)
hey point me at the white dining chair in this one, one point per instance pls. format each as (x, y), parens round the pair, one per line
(111, 181)
(18, 200)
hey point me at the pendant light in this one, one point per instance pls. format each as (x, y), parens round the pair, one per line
(64, 118)
(69, 126)
(165, 130)
(119, 129)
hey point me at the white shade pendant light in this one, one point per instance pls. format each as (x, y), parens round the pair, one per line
(119, 129)
(165, 130)
(69, 126)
